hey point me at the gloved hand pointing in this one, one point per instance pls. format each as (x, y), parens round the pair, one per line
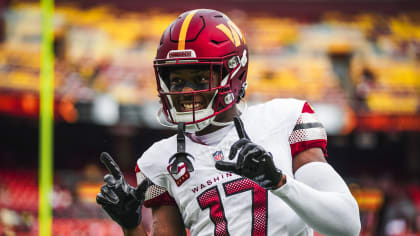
(120, 200)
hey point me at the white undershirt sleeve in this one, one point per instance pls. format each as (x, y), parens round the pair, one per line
(322, 199)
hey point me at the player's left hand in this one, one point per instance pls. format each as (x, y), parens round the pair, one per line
(253, 161)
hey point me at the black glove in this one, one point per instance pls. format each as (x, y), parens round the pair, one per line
(120, 200)
(253, 161)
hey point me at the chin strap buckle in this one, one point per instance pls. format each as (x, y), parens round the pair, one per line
(181, 156)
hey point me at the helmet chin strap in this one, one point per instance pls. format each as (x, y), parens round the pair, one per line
(201, 125)
(216, 123)
(241, 111)
(163, 121)
(190, 128)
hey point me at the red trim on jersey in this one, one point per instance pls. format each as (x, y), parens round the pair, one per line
(299, 147)
(161, 200)
(307, 108)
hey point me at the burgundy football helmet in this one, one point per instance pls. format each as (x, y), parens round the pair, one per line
(207, 40)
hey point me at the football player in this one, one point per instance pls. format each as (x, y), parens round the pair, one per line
(255, 171)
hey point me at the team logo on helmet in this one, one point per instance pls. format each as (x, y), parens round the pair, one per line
(232, 32)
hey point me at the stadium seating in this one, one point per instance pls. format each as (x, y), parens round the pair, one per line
(284, 62)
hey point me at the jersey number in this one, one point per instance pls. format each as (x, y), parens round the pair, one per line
(211, 199)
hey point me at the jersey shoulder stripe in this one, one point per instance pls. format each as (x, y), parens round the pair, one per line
(308, 132)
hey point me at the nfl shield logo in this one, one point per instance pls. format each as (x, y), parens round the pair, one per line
(218, 155)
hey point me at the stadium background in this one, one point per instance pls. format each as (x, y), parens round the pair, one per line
(356, 62)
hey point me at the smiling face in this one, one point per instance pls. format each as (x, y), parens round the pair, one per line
(190, 80)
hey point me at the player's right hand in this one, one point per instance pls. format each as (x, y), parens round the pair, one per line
(120, 200)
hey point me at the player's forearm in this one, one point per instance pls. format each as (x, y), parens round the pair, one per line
(138, 231)
(321, 198)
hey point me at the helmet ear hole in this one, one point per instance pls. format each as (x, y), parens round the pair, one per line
(241, 76)
(241, 94)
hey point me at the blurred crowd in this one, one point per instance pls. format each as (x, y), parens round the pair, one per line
(366, 61)
(75, 211)
(388, 206)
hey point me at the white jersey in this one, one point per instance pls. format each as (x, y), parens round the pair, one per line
(213, 202)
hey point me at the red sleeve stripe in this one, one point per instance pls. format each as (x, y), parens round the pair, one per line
(299, 147)
(163, 199)
(307, 108)
(137, 169)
